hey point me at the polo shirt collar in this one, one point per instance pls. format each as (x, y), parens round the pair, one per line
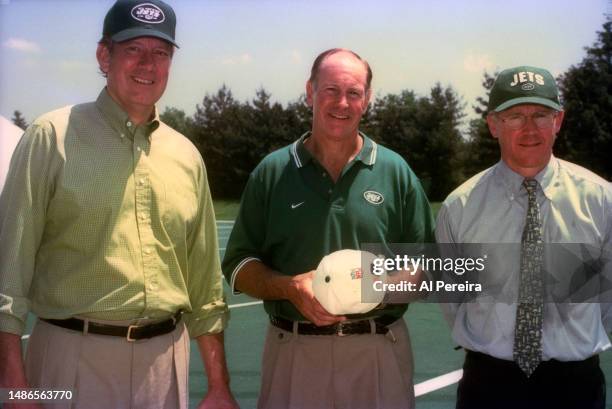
(301, 156)
(119, 119)
(513, 181)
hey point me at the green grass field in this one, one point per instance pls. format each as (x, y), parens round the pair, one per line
(226, 209)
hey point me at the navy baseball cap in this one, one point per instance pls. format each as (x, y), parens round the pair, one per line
(129, 19)
(524, 85)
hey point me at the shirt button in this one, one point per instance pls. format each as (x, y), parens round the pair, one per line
(141, 182)
(138, 148)
(147, 251)
(129, 123)
(142, 216)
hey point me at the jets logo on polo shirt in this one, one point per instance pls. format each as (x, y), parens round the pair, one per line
(373, 197)
(148, 13)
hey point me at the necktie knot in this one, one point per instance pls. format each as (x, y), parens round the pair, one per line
(530, 185)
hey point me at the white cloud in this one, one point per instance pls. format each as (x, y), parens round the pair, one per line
(237, 60)
(296, 57)
(477, 63)
(22, 45)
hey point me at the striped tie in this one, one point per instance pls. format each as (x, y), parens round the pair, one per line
(528, 330)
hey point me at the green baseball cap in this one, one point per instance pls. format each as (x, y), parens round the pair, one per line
(524, 85)
(129, 19)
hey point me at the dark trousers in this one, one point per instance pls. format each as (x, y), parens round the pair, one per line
(491, 383)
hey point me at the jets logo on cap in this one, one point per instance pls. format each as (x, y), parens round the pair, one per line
(148, 13)
(527, 79)
(373, 197)
(356, 274)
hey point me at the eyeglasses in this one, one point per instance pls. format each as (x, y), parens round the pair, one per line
(542, 120)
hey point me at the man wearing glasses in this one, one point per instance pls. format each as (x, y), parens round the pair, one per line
(526, 350)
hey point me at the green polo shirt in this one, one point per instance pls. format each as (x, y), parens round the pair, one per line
(105, 219)
(292, 213)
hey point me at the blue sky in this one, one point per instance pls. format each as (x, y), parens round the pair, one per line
(47, 48)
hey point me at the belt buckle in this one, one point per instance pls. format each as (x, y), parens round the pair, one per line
(340, 330)
(128, 337)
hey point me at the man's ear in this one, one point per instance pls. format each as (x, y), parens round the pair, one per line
(493, 124)
(367, 100)
(309, 93)
(559, 121)
(103, 56)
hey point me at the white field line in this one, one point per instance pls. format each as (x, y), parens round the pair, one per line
(225, 222)
(438, 382)
(246, 304)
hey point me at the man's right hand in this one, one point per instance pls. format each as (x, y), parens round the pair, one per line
(301, 295)
(260, 281)
(12, 373)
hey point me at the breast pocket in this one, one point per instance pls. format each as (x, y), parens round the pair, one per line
(179, 204)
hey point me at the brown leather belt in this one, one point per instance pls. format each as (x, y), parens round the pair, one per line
(340, 329)
(130, 333)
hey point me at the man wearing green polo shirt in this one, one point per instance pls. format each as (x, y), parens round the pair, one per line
(334, 188)
(107, 234)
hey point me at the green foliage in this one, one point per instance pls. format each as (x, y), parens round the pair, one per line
(482, 150)
(425, 131)
(234, 136)
(586, 134)
(19, 120)
(176, 118)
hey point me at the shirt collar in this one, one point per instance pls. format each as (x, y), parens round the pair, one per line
(301, 155)
(119, 119)
(513, 181)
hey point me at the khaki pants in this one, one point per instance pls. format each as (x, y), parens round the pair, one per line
(366, 371)
(107, 372)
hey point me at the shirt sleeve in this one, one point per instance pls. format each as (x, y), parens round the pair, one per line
(606, 263)
(209, 313)
(444, 235)
(23, 204)
(419, 226)
(247, 236)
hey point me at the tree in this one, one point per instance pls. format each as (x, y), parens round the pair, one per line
(219, 134)
(176, 119)
(19, 120)
(439, 118)
(482, 150)
(586, 135)
(424, 131)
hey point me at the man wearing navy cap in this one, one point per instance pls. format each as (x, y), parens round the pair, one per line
(532, 346)
(108, 235)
